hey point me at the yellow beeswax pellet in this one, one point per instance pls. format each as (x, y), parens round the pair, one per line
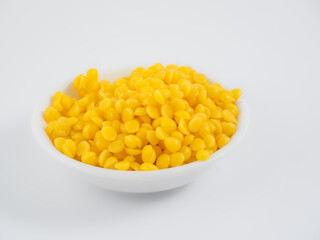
(90, 158)
(148, 154)
(147, 166)
(109, 133)
(176, 159)
(132, 126)
(163, 161)
(116, 146)
(203, 155)
(172, 144)
(122, 165)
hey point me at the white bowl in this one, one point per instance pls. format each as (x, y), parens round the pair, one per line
(135, 181)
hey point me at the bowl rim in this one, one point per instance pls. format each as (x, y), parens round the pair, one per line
(38, 123)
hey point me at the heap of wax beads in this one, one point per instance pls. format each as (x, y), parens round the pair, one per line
(156, 118)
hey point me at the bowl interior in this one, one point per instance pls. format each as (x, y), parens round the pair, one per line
(38, 125)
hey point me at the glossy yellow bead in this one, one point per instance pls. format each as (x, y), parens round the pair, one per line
(116, 124)
(122, 165)
(90, 158)
(177, 104)
(226, 97)
(74, 111)
(120, 105)
(145, 119)
(111, 114)
(232, 108)
(228, 128)
(156, 123)
(188, 139)
(161, 133)
(103, 157)
(129, 159)
(195, 123)
(172, 144)
(217, 124)
(163, 161)
(140, 111)
(148, 154)
(177, 135)
(57, 96)
(92, 80)
(62, 129)
(116, 146)
(153, 111)
(205, 129)
(197, 144)
(236, 93)
(214, 90)
(79, 82)
(166, 111)
(132, 126)
(156, 67)
(67, 102)
(186, 152)
(203, 155)
(146, 126)
(152, 138)
(109, 133)
(222, 140)
(133, 151)
(133, 103)
(58, 143)
(147, 166)
(183, 114)
(100, 142)
(50, 128)
(90, 130)
(132, 141)
(209, 141)
(228, 116)
(168, 124)
(176, 159)
(158, 97)
(135, 166)
(57, 105)
(105, 104)
(51, 114)
(127, 114)
(183, 126)
(110, 162)
(185, 87)
(82, 148)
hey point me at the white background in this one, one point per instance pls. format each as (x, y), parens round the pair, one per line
(267, 188)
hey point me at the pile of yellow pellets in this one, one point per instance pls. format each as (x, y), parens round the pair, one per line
(156, 118)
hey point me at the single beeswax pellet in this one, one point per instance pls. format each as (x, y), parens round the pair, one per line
(122, 165)
(163, 161)
(90, 158)
(148, 154)
(176, 159)
(203, 155)
(131, 126)
(172, 144)
(116, 146)
(147, 166)
(109, 133)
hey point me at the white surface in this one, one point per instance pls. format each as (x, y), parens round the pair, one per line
(135, 181)
(268, 188)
